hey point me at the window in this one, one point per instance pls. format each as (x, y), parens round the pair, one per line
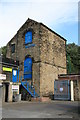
(28, 37)
(13, 48)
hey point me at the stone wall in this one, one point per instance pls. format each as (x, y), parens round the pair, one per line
(48, 73)
(76, 84)
(3, 93)
(36, 77)
(10, 93)
(79, 88)
(48, 55)
(52, 48)
(53, 60)
(21, 52)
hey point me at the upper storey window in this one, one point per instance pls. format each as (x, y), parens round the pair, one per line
(28, 37)
(13, 48)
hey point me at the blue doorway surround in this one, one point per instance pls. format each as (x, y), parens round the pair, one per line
(28, 68)
(28, 76)
(14, 75)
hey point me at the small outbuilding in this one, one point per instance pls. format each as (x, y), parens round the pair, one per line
(68, 86)
(9, 79)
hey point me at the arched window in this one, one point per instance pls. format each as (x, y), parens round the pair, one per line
(28, 37)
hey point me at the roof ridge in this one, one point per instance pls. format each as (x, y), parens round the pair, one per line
(42, 25)
(53, 31)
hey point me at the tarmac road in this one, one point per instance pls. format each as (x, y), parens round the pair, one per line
(53, 109)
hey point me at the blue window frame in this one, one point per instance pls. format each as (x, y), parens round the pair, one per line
(28, 37)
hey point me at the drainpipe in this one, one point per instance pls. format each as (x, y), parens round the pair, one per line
(72, 91)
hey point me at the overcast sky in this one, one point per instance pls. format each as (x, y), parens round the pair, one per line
(60, 15)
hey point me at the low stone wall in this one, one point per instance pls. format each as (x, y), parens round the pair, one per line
(41, 99)
(76, 90)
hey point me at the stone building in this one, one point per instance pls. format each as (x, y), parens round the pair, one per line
(47, 52)
(9, 83)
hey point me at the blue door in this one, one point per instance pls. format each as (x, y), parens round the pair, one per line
(14, 75)
(28, 68)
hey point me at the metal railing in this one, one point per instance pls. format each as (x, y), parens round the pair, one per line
(28, 87)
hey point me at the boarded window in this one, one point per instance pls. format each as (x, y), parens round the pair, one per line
(28, 37)
(13, 48)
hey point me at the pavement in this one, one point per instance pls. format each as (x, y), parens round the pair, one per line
(53, 109)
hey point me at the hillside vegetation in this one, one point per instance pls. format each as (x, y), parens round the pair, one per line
(73, 58)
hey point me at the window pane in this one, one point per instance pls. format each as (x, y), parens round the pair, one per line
(13, 48)
(28, 37)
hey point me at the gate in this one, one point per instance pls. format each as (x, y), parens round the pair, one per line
(62, 89)
(28, 68)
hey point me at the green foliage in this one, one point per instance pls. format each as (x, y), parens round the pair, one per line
(73, 58)
(0, 51)
(3, 51)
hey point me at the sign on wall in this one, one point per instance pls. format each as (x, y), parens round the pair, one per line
(7, 69)
(15, 87)
(2, 77)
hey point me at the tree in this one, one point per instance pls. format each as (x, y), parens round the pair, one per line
(3, 51)
(73, 58)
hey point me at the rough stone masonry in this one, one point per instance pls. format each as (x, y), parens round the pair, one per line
(48, 55)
